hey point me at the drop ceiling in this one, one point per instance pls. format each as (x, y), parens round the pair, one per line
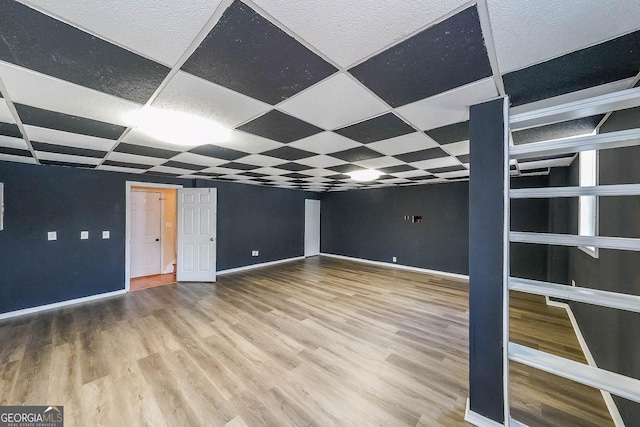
(310, 90)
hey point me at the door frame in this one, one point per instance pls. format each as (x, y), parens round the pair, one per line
(127, 231)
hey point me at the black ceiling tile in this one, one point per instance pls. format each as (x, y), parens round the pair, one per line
(465, 158)
(218, 152)
(10, 129)
(208, 174)
(247, 53)
(446, 169)
(239, 166)
(126, 165)
(15, 152)
(263, 180)
(606, 62)
(169, 174)
(38, 42)
(292, 166)
(357, 154)
(566, 129)
(416, 156)
(337, 178)
(396, 169)
(344, 169)
(421, 178)
(296, 175)
(280, 127)
(299, 181)
(382, 127)
(71, 164)
(141, 150)
(537, 170)
(622, 120)
(64, 149)
(53, 120)
(385, 177)
(288, 153)
(254, 174)
(181, 165)
(451, 133)
(447, 55)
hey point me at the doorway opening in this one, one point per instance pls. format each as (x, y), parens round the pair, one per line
(311, 227)
(151, 224)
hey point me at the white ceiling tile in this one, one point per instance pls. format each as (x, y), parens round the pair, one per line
(334, 103)
(41, 155)
(379, 162)
(197, 159)
(347, 30)
(321, 161)
(409, 174)
(273, 177)
(58, 137)
(414, 141)
(160, 30)
(120, 169)
(5, 114)
(260, 160)
(19, 159)
(168, 169)
(325, 143)
(138, 137)
(249, 143)
(41, 91)
(190, 94)
(436, 163)
(271, 171)
(396, 181)
(526, 32)
(454, 174)
(134, 158)
(448, 107)
(221, 170)
(319, 172)
(457, 148)
(11, 142)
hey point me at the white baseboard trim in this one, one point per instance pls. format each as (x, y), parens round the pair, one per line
(608, 400)
(400, 266)
(39, 308)
(262, 264)
(477, 419)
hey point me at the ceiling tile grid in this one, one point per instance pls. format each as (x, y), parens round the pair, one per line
(306, 101)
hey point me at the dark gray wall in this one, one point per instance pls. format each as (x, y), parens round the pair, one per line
(613, 336)
(34, 271)
(251, 217)
(370, 224)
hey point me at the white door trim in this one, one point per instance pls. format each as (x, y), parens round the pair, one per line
(127, 231)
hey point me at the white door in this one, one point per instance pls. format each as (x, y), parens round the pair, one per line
(145, 233)
(196, 235)
(311, 227)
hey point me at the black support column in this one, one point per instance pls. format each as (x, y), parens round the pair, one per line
(486, 250)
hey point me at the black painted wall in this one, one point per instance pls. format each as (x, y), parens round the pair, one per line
(34, 271)
(370, 224)
(613, 336)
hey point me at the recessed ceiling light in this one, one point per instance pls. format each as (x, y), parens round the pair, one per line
(365, 175)
(178, 128)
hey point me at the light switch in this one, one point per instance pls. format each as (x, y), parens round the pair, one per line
(84, 235)
(52, 235)
(168, 224)
(105, 234)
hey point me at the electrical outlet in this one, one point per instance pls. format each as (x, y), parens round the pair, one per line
(106, 234)
(255, 253)
(395, 259)
(84, 235)
(52, 235)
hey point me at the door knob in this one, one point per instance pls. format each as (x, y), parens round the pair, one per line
(212, 239)
(157, 240)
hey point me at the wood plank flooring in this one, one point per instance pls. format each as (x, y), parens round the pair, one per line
(318, 342)
(150, 281)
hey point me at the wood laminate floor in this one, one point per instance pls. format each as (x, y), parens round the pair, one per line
(150, 281)
(317, 342)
